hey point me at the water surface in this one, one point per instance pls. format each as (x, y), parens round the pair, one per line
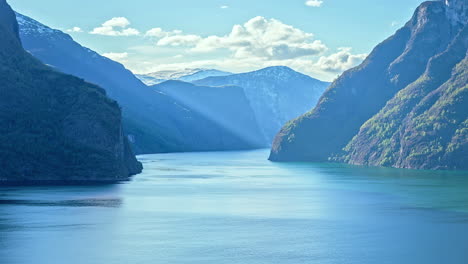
(239, 208)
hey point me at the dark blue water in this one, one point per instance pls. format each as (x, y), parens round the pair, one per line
(226, 208)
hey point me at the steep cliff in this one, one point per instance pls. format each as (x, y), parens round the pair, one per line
(55, 127)
(404, 105)
(424, 125)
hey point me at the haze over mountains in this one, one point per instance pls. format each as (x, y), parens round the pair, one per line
(405, 106)
(277, 94)
(154, 121)
(157, 121)
(227, 106)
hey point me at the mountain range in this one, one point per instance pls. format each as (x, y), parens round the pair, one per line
(153, 121)
(55, 127)
(157, 121)
(185, 75)
(405, 106)
(277, 94)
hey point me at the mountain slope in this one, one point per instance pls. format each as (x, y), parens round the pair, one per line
(187, 75)
(154, 121)
(227, 106)
(277, 94)
(55, 127)
(399, 87)
(425, 124)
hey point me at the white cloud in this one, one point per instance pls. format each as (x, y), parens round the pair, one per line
(258, 37)
(75, 29)
(156, 32)
(115, 56)
(121, 22)
(258, 43)
(325, 68)
(340, 61)
(224, 6)
(179, 40)
(117, 26)
(314, 3)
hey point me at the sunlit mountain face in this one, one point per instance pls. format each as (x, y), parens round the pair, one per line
(404, 106)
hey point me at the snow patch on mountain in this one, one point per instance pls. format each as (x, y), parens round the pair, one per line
(186, 75)
(31, 26)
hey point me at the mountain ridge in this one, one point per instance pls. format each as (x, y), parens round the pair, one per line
(186, 75)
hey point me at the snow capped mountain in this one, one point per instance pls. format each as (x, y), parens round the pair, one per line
(30, 27)
(202, 74)
(186, 75)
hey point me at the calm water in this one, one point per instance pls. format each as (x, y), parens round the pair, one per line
(239, 208)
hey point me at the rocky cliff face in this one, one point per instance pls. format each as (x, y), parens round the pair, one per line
(55, 127)
(405, 106)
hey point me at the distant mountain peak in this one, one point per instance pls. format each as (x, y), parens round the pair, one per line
(273, 69)
(186, 75)
(279, 73)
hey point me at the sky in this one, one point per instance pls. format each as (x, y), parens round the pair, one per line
(321, 38)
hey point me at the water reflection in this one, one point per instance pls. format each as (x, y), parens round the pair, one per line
(106, 202)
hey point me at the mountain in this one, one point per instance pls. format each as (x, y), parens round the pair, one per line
(227, 106)
(277, 94)
(55, 127)
(153, 121)
(405, 106)
(186, 75)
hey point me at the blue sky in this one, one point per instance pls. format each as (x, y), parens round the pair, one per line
(320, 38)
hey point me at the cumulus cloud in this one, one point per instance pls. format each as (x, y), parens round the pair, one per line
(314, 3)
(117, 26)
(156, 32)
(258, 37)
(75, 29)
(115, 56)
(260, 42)
(325, 68)
(179, 40)
(340, 61)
